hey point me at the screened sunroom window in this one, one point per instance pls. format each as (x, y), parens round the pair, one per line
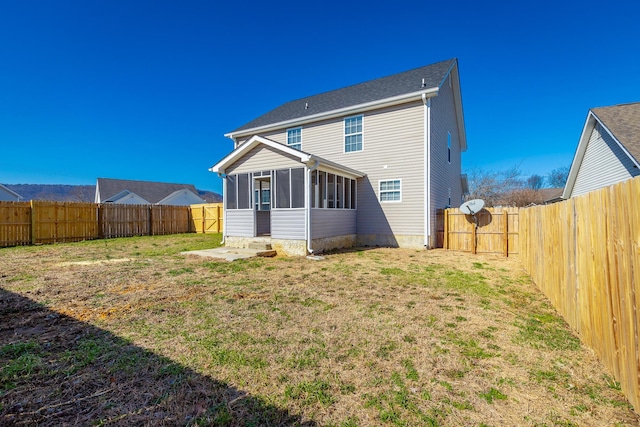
(238, 191)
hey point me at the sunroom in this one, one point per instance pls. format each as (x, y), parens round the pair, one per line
(297, 202)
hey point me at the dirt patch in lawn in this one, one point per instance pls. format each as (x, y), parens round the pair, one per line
(365, 337)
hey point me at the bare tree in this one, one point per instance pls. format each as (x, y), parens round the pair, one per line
(491, 186)
(535, 182)
(558, 177)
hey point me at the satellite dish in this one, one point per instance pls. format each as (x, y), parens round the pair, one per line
(472, 207)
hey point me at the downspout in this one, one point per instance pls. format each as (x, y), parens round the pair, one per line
(427, 170)
(307, 217)
(224, 206)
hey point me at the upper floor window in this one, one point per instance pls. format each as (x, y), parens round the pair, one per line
(390, 190)
(294, 138)
(353, 134)
(449, 147)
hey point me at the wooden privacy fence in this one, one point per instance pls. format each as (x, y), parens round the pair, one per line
(35, 222)
(584, 254)
(497, 231)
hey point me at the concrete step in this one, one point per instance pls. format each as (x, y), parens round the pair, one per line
(260, 246)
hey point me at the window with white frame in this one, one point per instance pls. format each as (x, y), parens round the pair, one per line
(353, 134)
(294, 138)
(390, 190)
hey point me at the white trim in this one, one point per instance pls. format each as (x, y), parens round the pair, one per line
(344, 134)
(380, 181)
(427, 172)
(352, 110)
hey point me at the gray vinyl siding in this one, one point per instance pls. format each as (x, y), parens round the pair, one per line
(444, 175)
(332, 222)
(604, 163)
(239, 222)
(391, 136)
(262, 158)
(288, 224)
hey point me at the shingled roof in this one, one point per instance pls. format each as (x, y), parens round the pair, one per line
(408, 82)
(624, 123)
(151, 191)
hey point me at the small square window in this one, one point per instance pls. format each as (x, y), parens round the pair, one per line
(294, 138)
(390, 190)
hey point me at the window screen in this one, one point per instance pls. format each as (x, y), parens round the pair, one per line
(282, 189)
(231, 196)
(297, 188)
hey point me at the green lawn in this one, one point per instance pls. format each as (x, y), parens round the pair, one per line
(129, 332)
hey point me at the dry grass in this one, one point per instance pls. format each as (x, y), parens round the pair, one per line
(129, 332)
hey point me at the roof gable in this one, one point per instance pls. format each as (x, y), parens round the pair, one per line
(12, 194)
(426, 79)
(126, 197)
(151, 191)
(621, 122)
(308, 159)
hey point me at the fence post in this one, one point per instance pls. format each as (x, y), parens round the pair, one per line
(505, 212)
(150, 220)
(33, 222)
(445, 237)
(474, 238)
(219, 213)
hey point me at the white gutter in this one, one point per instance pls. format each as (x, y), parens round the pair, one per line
(307, 212)
(427, 170)
(394, 100)
(224, 207)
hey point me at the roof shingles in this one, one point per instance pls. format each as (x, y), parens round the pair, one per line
(624, 122)
(148, 190)
(374, 90)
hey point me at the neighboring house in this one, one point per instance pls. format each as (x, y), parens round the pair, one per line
(551, 195)
(145, 192)
(608, 151)
(7, 195)
(369, 164)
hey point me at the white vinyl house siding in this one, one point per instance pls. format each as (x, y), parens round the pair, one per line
(332, 222)
(445, 175)
(239, 222)
(288, 224)
(391, 136)
(604, 163)
(262, 158)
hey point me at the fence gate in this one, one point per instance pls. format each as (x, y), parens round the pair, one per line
(207, 218)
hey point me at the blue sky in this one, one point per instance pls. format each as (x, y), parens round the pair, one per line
(146, 89)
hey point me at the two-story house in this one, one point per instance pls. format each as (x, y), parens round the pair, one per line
(365, 165)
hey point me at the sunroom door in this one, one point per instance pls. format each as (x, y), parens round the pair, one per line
(262, 205)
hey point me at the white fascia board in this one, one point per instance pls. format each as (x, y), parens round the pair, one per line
(254, 141)
(387, 102)
(335, 168)
(457, 98)
(588, 127)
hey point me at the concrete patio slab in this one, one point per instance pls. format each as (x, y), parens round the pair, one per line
(231, 254)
